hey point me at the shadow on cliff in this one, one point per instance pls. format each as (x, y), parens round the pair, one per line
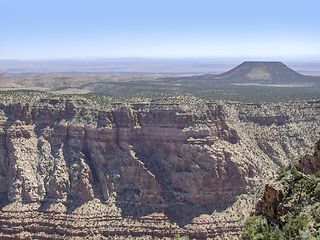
(180, 213)
(3, 199)
(173, 204)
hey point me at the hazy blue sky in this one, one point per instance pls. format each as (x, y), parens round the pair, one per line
(69, 29)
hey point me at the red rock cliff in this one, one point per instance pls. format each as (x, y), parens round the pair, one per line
(140, 158)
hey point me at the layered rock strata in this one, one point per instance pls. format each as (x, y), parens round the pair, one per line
(134, 153)
(148, 170)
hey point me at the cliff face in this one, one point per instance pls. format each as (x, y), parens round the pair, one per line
(143, 158)
(131, 169)
(282, 132)
(279, 195)
(310, 164)
(142, 154)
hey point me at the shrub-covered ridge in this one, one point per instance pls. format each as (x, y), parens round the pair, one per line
(290, 206)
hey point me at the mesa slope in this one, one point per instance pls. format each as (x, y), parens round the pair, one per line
(250, 81)
(251, 72)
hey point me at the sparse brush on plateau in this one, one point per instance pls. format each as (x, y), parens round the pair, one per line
(154, 157)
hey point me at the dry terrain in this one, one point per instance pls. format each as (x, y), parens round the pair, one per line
(146, 160)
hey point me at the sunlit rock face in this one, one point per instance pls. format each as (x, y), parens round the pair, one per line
(145, 154)
(184, 163)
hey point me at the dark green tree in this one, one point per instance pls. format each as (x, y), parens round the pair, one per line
(276, 234)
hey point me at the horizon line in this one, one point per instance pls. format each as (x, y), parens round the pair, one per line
(224, 57)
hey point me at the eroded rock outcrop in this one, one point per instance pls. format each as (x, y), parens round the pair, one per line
(148, 169)
(276, 200)
(134, 151)
(145, 157)
(310, 164)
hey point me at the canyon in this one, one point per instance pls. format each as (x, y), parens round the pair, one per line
(70, 167)
(149, 157)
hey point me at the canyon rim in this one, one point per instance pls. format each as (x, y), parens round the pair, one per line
(71, 166)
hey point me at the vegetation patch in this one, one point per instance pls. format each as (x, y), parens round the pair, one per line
(300, 208)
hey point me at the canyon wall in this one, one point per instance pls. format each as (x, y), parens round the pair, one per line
(143, 170)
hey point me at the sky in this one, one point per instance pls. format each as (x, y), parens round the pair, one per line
(158, 29)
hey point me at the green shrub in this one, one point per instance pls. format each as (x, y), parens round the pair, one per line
(316, 215)
(294, 225)
(178, 237)
(317, 174)
(256, 227)
(295, 173)
(276, 234)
